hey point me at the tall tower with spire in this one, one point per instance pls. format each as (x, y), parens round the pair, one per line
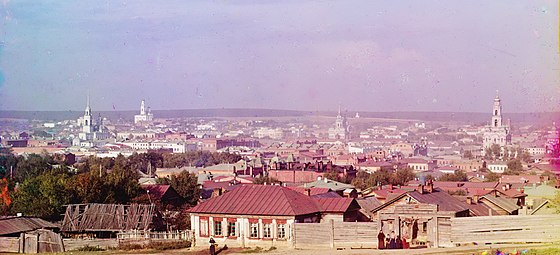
(497, 112)
(87, 122)
(142, 108)
(144, 116)
(496, 132)
(340, 129)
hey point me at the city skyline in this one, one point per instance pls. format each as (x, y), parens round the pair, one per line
(374, 57)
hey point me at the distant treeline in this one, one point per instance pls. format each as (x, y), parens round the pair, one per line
(470, 117)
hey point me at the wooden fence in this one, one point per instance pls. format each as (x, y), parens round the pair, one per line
(335, 235)
(505, 229)
(144, 237)
(37, 241)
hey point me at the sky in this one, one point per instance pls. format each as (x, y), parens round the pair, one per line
(365, 55)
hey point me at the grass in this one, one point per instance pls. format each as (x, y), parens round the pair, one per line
(90, 248)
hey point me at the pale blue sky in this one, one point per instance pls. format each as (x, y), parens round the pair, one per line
(303, 55)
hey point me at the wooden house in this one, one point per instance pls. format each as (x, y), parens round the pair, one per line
(263, 215)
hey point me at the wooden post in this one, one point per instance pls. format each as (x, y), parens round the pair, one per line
(21, 248)
(436, 241)
(37, 246)
(293, 233)
(332, 233)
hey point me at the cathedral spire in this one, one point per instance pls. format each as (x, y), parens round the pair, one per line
(88, 107)
(338, 110)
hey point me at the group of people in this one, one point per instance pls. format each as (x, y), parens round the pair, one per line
(391, 241)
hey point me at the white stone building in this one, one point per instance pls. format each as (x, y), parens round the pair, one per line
(144, 116)
(340, 129)
(497, 132)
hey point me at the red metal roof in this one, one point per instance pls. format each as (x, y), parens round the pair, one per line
(156, 190)
(334, 205)
(259, 200)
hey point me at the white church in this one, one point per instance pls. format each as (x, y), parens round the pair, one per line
(496, 132)
(341, 130)
(144, 116)
(93, 130)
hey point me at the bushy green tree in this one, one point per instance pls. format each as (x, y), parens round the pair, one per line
(458, 176)
(402, 176)
(186, 185)
(491, 177)
(43, 196)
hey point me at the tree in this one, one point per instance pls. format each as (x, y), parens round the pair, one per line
(186, 185)
(32, 166)
(493, 152)
(402, 176)
(43, 196)
(122, 184)
(514, 167)
(331, 175)
(90, 187)
(262, 179)
(525, 156)
(491, 177)
(458, 176)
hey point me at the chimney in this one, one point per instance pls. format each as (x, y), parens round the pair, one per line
(430, 187)
(469, 200)
(390, 186)
(308, 192)
(475, 198)
(420, 189)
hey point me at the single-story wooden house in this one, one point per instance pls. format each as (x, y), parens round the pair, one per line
(263, 215)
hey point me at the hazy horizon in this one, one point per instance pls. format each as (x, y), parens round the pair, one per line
(366, 56)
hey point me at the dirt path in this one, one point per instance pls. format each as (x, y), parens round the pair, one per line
(435, 251)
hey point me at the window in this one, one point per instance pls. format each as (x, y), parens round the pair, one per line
(217, 228)
(203, 227)
(231, 228)
(254, 230)
(267, 230)
(281, 231)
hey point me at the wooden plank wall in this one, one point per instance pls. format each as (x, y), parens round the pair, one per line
(312, 235)
(335, 235)
(505, 229)
(9, 244)
(355, 234)
(49, 241)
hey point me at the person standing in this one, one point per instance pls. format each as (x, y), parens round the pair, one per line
(212, 246)
(399, 242)
(392, 240)
(381, 240)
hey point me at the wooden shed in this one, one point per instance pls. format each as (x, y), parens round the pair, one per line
(104, 220)
(29, 235)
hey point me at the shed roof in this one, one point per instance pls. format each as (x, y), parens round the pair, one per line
(259, 200)
(336, 205)
(507, 204)
(12, 225)
(441, 198)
